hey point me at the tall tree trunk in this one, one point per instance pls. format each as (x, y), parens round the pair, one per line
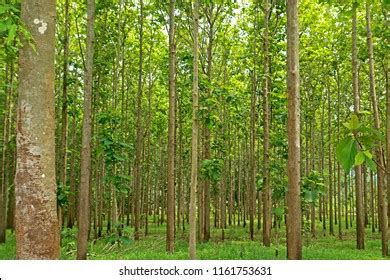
(294, 217)
(195, 132)
(330, 196)
(84, 201)
(72, 178)
(379, 151)
(358, 170)
(323, 198)
(340, 233)
(251, 195)
(139, 136)
(171, 133)
(388, 133)
(372, 203)
(4, 160)
(149, 135)
(64, 114)
(346, 199)
(267, 203)
(37, 234)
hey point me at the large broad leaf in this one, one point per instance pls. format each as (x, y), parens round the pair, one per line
(359, 158)
(371, 164)
(346, 152)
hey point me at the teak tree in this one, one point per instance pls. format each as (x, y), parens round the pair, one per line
(171, 132)
(195, 133)
(186, 127)
(294, 243)
(85, 170)
(37, 231)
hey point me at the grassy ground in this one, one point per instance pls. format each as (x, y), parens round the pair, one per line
(235, 246)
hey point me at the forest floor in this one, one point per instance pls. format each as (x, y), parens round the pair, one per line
(236, 245)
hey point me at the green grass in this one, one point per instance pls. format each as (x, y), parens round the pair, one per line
(236, 245)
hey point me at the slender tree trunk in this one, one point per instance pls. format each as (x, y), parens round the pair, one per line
(139, 136)
(149, 134)
(10, 157)
(338, 164)
(239, 181)
(72, 178)
(37, 234)
(179, 162)
(64, 114)
(365, 195)
(346, 199)
(379, 152)
(372, 203)
(84, 200)
(330, 196)
(388, 134)
(171, 133)
(4, 160)
(267, 192)
(195, 133)
(323, 198)
(358, 171)
(251, 195)
(294, 217)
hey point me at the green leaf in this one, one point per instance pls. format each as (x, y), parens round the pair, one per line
(353, 123)
(346, 152)
(371, 164)
(125, 177)
(367, 154)
(308, 197)
(366, 140)
(11, 33)
(347, 125)
(119, 158)
(359, 158)
(279, 211)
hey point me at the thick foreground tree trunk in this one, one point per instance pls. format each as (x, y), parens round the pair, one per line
(37, 234)
(294, 217)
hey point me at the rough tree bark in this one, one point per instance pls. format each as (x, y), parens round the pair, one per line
(294, 217)
(37, 234)
(85, 171)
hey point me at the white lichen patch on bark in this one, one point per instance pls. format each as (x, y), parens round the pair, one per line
(41, 29)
